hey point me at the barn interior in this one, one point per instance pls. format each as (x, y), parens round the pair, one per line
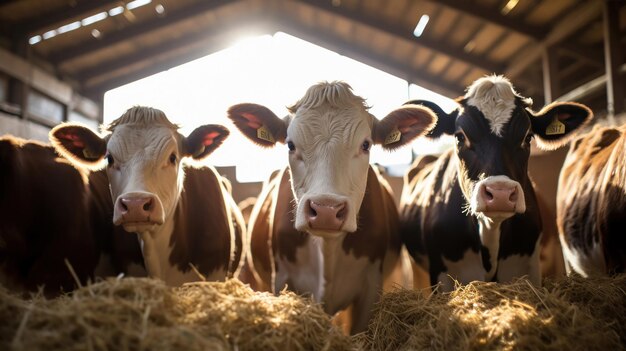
(59, 57)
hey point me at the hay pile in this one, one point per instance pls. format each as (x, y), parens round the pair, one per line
(570, 314)
(136, 314)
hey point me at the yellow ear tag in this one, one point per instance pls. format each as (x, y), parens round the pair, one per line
(555, 128)
(393, 136)
(265, 134)
(88, 154)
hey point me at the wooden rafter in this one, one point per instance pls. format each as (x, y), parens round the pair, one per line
(362, 54)
(579, 17)
(401, 32)
(495, 17)
(136, 30)
(62, 16)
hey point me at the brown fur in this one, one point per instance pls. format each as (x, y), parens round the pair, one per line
(591, 200)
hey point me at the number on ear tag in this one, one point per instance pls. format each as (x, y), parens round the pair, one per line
(265, 134)
(393, 136)
(555, 128)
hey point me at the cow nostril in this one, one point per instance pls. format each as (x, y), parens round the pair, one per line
(513, 196)
(147, 205)
(311, 210)
(341, 214)
(124, 207)
(488, 195)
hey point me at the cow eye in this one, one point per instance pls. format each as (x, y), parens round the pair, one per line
(366, 146)
(460, 137)
(110, 160)
(173, 158)
(291, 146)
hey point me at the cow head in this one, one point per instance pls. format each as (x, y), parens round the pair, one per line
(142, 152)
(329, 133)
(493, 126)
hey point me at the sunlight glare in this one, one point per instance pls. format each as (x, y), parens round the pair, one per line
(273, 70)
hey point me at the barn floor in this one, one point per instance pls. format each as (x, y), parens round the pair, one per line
(135, 314)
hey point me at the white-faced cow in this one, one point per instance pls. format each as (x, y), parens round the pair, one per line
(50, 212)
(472, 213)
(328, 231)
(182, 220)
(591, 203)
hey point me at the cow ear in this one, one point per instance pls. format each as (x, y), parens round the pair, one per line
(446, 122)
(403, 125)
(79, 144)
(204, 140)
(557, 123)
(259, 124)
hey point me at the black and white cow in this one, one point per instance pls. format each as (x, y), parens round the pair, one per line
(472, 214)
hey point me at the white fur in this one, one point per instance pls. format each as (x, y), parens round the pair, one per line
(585, 265)
(467, 269)
(494, 96)
(306, 274)
(142, 167)
(328, 163)
(516, 266)
(489, 232)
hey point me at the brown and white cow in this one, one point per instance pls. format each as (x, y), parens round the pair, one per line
(472, 214)
(591, 203)
(325, 225)
(182, 220)
(50, 212)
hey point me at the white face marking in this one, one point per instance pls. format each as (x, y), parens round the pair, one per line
(329, 165)
(467, 269)
(142, 167)
(494, 96)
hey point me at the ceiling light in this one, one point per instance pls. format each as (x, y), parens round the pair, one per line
(116, 11)
(137, 3)
(49, 34)
(509, 6)
(421, 25)
(68, 27)
(95, 18)
(159, 9)
(96, 33)
(34, 40)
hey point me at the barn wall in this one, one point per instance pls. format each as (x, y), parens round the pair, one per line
(32, 100)
(16, 126)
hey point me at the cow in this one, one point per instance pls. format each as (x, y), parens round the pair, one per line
(591, 203)
(50, 213)
(327, 225)
(472, 214)
(187, 223)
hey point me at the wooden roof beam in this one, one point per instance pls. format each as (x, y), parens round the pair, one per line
(137, 30)
(64, 15)
(349, 49)
(495, 17)
(402, 33)
(229, 29)
(580, 17)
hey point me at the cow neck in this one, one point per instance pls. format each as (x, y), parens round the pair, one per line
(331, 253)
(489, 232)
(154, 243)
